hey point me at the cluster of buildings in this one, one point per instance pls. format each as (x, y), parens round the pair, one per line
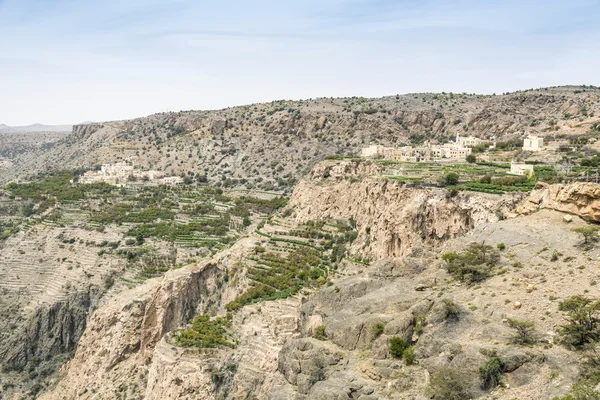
(457, 151)
(124, 174)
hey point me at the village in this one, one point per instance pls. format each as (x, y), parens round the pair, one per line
(460, 150)
(125, 174)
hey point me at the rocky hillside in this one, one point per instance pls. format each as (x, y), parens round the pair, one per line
(270, 146)
(397, 222)
(389, 320)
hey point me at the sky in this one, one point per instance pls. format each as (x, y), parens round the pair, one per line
(69, 61)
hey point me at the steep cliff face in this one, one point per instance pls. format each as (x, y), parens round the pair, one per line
(117, 350)
(51, 330)
(392, 220)
(581, 199)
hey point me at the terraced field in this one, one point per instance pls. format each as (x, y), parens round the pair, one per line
(288, 262)
(62, 237)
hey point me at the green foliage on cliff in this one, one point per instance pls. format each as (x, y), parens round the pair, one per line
(206, 332)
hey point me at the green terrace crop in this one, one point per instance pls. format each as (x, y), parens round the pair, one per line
(199, 218)
(205, 332)
(432, 172)
(299, 257)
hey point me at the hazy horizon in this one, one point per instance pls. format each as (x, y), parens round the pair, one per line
(70, 61)
(268, 101)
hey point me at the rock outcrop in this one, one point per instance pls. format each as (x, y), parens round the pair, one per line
(581, 199)
(113, 354)
(392, 220)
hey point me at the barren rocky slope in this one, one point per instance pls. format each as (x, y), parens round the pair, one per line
(271, 145)
(127, 350)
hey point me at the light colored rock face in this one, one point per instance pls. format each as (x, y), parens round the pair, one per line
(581, 199)
(392, 220)
(113, 353)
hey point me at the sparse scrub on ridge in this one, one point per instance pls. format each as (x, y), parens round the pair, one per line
(475, 264)
(449, 384)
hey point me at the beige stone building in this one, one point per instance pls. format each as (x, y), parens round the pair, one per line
(469, 141)
(427, 152)
(533, 143)
(522, 169)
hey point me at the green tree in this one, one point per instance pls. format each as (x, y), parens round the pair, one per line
(474, 264)
(583, 321)
(451, 178)
(397, 347)
(525, 331)
(589, 233)
(490, 373)
(471, 158)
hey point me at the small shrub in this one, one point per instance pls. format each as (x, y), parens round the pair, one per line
(501, 246)
(378, 329)
(486, 179)
(409, 355)
(397, 347)
(490, 373)
(319, 333)
(555, 255)
(449, 384)
(525, 331)
(450, 311)
(420, 324)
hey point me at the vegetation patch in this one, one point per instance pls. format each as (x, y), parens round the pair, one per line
(474, 264)
(206, 332)
(583, 321)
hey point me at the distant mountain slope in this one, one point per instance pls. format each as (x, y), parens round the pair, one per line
(269, 146)
(35, 128)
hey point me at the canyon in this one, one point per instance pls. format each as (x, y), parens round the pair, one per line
(127, 349)
(311, 293)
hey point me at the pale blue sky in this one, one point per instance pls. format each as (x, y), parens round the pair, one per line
(67, 61)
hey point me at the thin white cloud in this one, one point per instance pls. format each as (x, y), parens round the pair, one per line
(71, 61)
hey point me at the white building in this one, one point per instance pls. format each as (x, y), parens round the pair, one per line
(522, 169)
(376, 151)
(533, 143)
(172, 180)
(426, 152)
(469, 141)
